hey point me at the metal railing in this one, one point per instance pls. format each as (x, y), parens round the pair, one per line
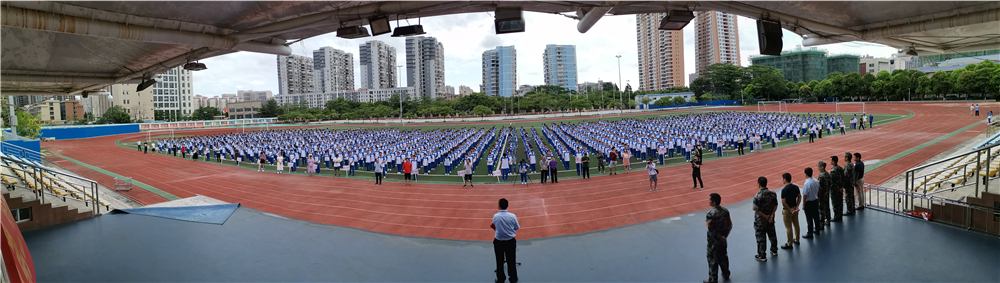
(933, 208)
(912, 176)
(45, 183)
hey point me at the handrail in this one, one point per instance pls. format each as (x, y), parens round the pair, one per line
(951, 158)
(44, 177)
(954, 212)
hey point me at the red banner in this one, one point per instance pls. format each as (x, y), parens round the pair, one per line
(16, 258)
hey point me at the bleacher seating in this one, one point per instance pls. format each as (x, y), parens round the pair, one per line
(962, 169)
(49, 179)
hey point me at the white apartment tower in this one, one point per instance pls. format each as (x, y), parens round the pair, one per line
(661, 54)
(295, 74)
(173, 93)
(378, 65)
(333, 70)
(717, 39)
(425, 66)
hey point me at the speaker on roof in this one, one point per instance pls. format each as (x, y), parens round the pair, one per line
(769, 37)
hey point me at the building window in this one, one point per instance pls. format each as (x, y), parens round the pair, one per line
(21, 214)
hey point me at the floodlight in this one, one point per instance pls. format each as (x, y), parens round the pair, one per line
(408, 31)
(508, 20)
(379, 25)
(146, 83)
(676, 20)
(352, 32)
(195, 66)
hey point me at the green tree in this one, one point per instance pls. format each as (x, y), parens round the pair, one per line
(706, 97)
(646, 100)
(805, 91)
(701, 86)
(206, 113)
(581, 104)
(381, 111)
(664, 101)
(725, 78)
(750, 92)
(269, 109)
(693, 99)
(769, 81)
(941, 84)
(678, 100)
(482, 110)
(115, 115)
(27, 125)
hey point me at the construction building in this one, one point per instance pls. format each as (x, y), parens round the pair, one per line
(844, 63)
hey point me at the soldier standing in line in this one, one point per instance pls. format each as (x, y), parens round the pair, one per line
(719, 225)
(848, 183)
(765, 203)
(836, 193)
(825, 185)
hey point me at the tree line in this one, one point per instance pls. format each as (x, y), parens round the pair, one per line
(980, 81)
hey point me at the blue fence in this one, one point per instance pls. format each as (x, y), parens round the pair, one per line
(82, 132)
(29, 150)
(699, 103)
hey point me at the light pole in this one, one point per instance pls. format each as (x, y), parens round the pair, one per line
(400, 67)
(620, 99)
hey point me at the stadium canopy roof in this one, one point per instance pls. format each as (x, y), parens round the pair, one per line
(69, 47)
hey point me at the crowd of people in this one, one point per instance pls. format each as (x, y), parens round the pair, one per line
(415, 153)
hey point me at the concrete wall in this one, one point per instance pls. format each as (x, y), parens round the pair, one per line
(44, 215)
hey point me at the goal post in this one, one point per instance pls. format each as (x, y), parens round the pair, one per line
(772, 106)
(851, 107)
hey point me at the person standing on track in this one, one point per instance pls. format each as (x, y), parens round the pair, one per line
(871, 119)
(504, 245)
(545, 171)
(613, 164)
(280, 164)
(586, 165)
(553, 166)
(719, 225)
(977, 109)
(600, 163)
(652, 175)
(523, 169)
(863, 118)
(407, 171)
(696, 173)
(467, 168)
(825, 185)
(627, 161)
(765, 203)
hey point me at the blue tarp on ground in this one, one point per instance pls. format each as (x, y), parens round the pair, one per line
(82, 132)
(213, 214)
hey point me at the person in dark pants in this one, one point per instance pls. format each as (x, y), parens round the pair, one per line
(871, 118)
(145, 148)
(504, 245)
(848, 183)
(552, 169)
(696, 172)
(545, 171)
(765, 203)
(836, 189)
(719, 225)
(810, 196)
(586, 166)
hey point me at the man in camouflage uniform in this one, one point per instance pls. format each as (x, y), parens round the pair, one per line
(848, 183)
(719, 225)
(836, 184)
(765, 203)
(825, 186)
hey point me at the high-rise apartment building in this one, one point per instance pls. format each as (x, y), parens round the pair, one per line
(295, 74)
(425, 66)
(560, 65)
(333, 70)
(96, 104)
(464, 90)
(449, 89)
(378, 65)
(138, 104)
(716, 39)
(252, 95)
(500, 71)
(661, 54)
(174, 93)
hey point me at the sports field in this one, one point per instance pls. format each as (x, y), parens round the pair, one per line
(438, 176)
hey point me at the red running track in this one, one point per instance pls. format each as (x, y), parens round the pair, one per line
(572, 206)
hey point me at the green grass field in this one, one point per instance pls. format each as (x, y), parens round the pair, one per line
(437, 175)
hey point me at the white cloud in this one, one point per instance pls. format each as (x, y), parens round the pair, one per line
(466, 36)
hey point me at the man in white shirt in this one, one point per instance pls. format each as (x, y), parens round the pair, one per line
(504, 245)
(504, 167)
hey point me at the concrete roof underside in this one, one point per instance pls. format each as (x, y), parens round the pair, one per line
(70, 47)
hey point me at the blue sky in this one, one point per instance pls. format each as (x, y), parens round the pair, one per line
(466, 36)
